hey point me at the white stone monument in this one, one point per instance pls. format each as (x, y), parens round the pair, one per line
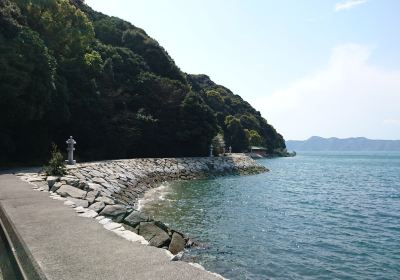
(211, 150)
(70, 148)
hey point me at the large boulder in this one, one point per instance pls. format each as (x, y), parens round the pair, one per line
(97, 206)
(135, 218)
(79, 202)
(94, 187)
(153, 234)
(70, 180)
(115, 212)
(91, 196)
(67, 190)
(51, 180)
(177, 243)
(105, 199)
(56, 186)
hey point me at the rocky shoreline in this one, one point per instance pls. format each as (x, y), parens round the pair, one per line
(109, 190)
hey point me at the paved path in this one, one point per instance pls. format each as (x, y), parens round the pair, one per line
(66, 246)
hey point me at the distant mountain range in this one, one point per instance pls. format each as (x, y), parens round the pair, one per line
(316, 143)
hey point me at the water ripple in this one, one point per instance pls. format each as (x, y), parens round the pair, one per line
(315, 216)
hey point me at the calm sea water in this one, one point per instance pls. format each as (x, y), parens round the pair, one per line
(314, 216)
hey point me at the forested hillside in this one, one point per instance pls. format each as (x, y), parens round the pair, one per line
(68, 70)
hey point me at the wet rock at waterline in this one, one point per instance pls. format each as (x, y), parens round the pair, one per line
(153, 234)
(135, 218)
(177, 244)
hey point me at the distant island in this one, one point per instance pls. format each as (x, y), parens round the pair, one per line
(316, 143)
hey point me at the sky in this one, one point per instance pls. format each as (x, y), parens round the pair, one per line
(313, 67)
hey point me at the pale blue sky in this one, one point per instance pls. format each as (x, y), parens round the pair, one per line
(312, 67)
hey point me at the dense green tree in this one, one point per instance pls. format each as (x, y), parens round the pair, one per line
(65, 29)
(68, 70)
(235, 136)
(198, 126)
(225, 103)
(253, 137)
(218, 143)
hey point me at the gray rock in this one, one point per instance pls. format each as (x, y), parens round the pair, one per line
(105, 199)
(67, 190)
(95, 173)
(128, 227)
(79, 202)
(89, 214)
(97, 206)
(51, 180)
(153, 234)
(91, 196)
(82, 185)
(70, 180)
(177, 243)
(93, 186)
(99, 180)
(79, 176)
(56, 186)
(163, 227)
(116, 212)
(135, 218)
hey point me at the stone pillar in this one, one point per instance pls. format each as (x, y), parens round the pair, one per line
(211, 150)
(70, 148)
(230, 149)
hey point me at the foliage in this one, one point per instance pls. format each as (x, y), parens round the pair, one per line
(253, 137)
(235, 136)
(56, 165)
(219, 144)
(236, 117)
(66, 30)
(68, 70)
(197, 125)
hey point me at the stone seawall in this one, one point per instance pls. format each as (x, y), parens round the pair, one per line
(109, 190)
(125, 181)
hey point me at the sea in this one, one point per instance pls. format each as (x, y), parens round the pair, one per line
(319, 215)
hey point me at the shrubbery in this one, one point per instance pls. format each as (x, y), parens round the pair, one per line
(56, 165)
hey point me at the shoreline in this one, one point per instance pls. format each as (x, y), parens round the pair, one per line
(112, 192)
(142, 201)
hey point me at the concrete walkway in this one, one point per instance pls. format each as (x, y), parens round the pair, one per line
(65, 246)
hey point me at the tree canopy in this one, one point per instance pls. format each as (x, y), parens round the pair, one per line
(68, 70)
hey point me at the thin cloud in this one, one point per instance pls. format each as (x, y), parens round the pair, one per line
(392, 122)
(347, 5)
(348, 97)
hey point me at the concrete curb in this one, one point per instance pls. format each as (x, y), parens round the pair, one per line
(24, 260)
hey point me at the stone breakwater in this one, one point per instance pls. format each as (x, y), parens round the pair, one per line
(109, 190)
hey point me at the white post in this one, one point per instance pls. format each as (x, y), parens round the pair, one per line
(70, 148)
(211, 150)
